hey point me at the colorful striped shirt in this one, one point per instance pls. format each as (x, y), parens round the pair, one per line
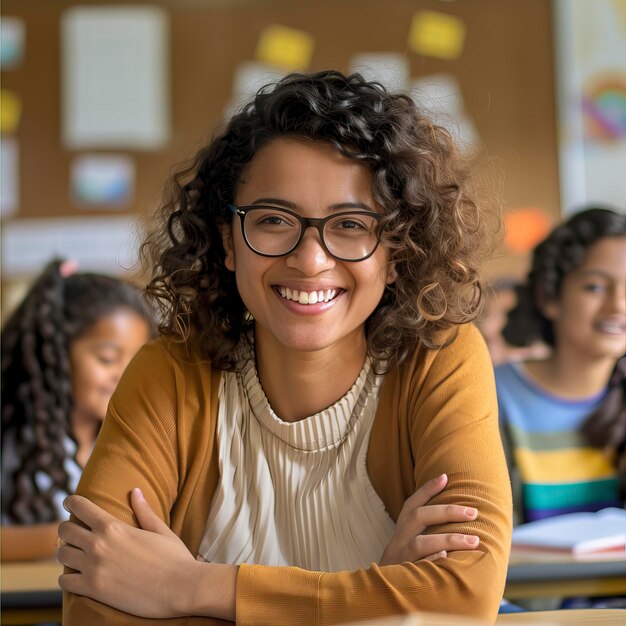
(557, 470)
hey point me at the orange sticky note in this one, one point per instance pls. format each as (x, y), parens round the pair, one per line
(437, 34)
(10, 111)
(525, 228)
(287, 48)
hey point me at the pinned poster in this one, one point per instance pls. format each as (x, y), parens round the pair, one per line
(525, 228)
(284, 47)
(441, 96)
(115, 79)
(12, 36)
(248, 79)
(437, 34)
(101, 244)
(9, 180)
(10, 112)
(103, 180)
(439, 92)
(388, 68)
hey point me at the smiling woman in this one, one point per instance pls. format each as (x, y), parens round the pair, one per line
(63, 352)
(299, 446)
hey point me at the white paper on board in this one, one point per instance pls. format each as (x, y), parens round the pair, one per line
(249, 77)
(103, 180)
(12, 36)
(440, 97)
(100, 244)
(115, 77)
(10, 178)
(389, 68)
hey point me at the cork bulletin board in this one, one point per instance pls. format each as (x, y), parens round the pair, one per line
(504, 71)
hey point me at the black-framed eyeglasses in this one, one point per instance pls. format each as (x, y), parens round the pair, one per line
(273, 232)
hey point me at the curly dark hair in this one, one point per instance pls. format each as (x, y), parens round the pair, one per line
(36, 383)
(562, 252)
(433, 228)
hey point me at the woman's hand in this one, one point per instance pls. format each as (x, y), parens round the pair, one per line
(409, 544)
(145, 571)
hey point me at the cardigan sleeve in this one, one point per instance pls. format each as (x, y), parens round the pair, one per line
(137, 447)
(449, 407)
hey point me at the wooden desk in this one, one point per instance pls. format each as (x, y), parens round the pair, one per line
(541, 575)
(30, 592)
(582, 617)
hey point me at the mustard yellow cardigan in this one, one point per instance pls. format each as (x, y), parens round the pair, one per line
(437, 413)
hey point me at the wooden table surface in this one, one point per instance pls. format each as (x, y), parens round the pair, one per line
(534, 575)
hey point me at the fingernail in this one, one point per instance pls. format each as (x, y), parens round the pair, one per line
(65, 505)
(441, 478)
(138, 493)
(471, 512)
(471, 540)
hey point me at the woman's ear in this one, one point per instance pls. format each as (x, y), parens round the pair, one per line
(392, 274)
(227, 241)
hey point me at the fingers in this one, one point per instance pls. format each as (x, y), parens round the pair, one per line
(443, 514)
(431, 545)
(74, 583)
(427, 491)
(87, 512)
(434, 557)
(72, 557)
(147, 518)
(74, 534)
(416, 521)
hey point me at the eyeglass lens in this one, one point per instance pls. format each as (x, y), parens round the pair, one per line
(270, 231)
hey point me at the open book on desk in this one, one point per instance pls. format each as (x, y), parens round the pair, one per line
(579, 534)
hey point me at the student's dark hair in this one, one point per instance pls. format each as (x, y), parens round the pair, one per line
(562, 252)
(606, 427)
(36, 384)
(432, 227)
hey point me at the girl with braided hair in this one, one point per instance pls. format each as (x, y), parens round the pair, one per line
(563, 419)
(63, 351)
(313, 439)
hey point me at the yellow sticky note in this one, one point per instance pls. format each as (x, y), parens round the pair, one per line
(287, 48)
(10, 111)
(437, 34)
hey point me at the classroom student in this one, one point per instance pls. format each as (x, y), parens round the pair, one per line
(313, 439)
(63, 351)
(563, 418)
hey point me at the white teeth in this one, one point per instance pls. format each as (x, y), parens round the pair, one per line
(307, 297)
(615, 329)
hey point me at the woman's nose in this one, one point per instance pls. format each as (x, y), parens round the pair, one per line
(310, 257)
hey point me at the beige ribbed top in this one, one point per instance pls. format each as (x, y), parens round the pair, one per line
(295, 493)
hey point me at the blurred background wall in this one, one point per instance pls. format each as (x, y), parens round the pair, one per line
(100, 100)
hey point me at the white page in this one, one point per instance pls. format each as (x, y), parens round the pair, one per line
(102, 244)
(566, 531)
(389, 68)
(115, 77)
(10, 178)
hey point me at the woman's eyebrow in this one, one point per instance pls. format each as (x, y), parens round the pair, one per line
(274, 202)
(333, 207)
